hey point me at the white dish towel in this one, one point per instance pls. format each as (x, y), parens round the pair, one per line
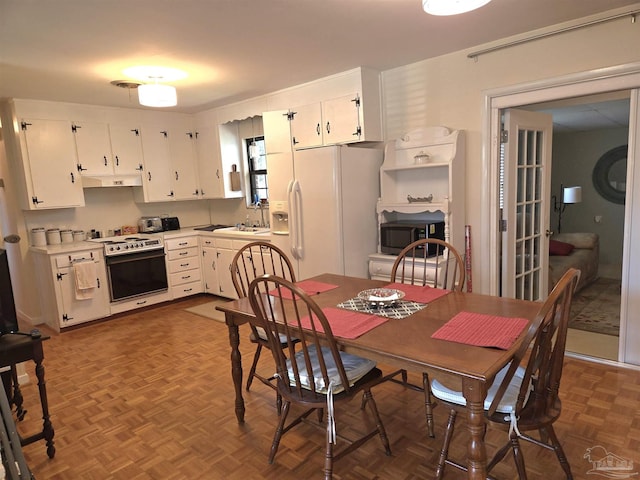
(86, 279)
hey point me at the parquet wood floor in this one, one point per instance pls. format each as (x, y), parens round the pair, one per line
(149, 395)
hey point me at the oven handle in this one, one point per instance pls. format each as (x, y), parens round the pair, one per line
(129, 257)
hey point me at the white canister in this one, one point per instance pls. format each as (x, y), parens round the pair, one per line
(66, 236)
(79, 236)
(38, 237)
(53, 236)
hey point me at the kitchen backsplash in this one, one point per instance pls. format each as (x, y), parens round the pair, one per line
(110, 208)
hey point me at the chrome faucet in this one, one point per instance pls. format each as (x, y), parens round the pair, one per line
(256, 205)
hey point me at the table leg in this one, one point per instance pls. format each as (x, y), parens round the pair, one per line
(236, 366)
(47, 428)
(475, 392)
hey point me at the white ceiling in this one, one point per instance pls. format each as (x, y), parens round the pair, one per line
(70, 50)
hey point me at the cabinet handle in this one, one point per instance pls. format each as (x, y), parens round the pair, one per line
(170, 194)
(183, 253)
(105, 160)
(184, 264)
(185, 277)
(149, 175)
(295, 141)
(136, 132)
(358, 131)
(187, 290)
(183, 243)
(328, 127)
(73, 178)
(141, 302)
(117, 161)
(318, 132)
(218, 173)
(176, 175)
(80, 169)
(98, 281)
(196, 192)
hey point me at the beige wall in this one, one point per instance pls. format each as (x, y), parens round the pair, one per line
(450, 91)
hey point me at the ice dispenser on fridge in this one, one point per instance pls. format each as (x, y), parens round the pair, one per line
(279, 217)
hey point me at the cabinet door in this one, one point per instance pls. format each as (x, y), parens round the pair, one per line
(50, 150)
(208, 162)
(76, 311)
(209, 270)
(94, 149)
(183, 163)
(156, 178)
(225, 284)
(126, 146)
(341, 117)
(277, 131)
(230, 155)
(307, 126)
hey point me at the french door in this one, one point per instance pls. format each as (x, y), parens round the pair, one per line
(525, 186)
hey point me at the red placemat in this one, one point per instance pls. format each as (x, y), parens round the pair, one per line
(482, 330)
(417, 293)
(310, 287)
(347, 323)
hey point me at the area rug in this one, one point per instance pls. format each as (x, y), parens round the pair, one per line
(596, 308)
(208, 310)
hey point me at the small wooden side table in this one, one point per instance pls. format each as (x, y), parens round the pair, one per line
(21, 347)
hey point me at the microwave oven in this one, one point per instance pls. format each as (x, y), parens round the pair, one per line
(394, 236)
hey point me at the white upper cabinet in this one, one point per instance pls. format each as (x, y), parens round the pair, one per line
(208, 162)
(277, 134)
(330, 122)
(108, 149)
(307, 126)
(156, 177)
(337, 110)
(183, 163)
(126, 148)
(170, 170)
(49, 162)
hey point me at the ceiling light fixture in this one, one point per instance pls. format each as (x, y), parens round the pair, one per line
(157, 95)
(451, 7)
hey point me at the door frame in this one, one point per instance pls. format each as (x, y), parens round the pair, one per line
(622, 77)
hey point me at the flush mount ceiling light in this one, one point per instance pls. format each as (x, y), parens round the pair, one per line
(157, 95)
(451, 7)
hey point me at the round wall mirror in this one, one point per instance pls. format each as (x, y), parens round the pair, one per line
(610, 175)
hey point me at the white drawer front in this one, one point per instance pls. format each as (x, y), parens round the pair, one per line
(182, 253)
(186, 289)
(182, 264)
(224, 243)
(184, 242)
(188, 276)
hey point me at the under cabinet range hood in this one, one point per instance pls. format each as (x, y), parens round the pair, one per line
(89, 181)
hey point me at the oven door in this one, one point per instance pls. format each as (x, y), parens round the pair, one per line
(135, 274)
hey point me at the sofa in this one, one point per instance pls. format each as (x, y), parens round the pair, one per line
(577, 250)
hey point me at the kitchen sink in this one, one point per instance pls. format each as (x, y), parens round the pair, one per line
(244, 230)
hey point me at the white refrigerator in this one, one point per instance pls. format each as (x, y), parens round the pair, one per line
(330, 195)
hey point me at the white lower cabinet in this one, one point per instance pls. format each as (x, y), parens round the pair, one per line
(217, 255)
(183, 266)
(62, 306)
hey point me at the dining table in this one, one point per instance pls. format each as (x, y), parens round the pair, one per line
(408, 343)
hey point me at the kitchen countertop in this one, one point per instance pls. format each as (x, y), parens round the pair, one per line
(230, 232)
(66, 248)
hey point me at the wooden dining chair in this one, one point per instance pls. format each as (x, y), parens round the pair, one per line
(315, 374)
(524, 398)
(251, 261)
(449, 274)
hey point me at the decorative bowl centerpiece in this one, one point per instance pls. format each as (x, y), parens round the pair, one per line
(381, 297)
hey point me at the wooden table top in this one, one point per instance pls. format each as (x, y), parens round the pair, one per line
(407, 343)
